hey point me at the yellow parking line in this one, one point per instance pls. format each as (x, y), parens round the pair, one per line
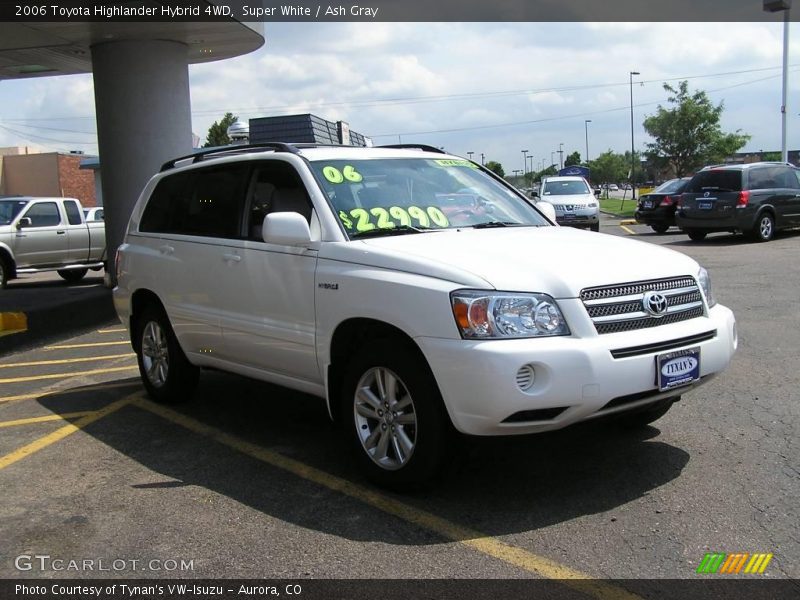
(93, 345)
(115, 330)
(45, 419)
(628, 229)
(84, 388)
(476, 540)
(65, 361)
(66, 375)
(60, 434)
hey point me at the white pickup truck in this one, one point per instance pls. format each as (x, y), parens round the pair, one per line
(48, 234)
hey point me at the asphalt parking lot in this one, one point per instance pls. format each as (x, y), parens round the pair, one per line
(250, 480)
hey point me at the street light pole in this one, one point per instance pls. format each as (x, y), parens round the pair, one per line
(524, 163)
(531, 158)
(483, 157)
(561, 154)
(633, 159)
(552, 160)
(469, 154)
(586, 127)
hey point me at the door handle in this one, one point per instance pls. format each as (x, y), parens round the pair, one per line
(165, 249)
(61, 232)
(233, 257)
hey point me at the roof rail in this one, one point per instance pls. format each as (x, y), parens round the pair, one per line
(234, 149)
(424, 147)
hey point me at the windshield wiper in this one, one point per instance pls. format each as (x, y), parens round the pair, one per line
(398, 230)
(491, 224)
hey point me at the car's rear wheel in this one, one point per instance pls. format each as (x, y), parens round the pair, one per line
(72, 275)
(167, 374)
(764, 229)
(645, 416)
(660, 228)
(394, 417)
(696, 235)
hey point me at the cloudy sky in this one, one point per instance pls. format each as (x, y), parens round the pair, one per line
(491, 88)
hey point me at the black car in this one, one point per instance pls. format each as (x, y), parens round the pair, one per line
(756, 199)
(657, 208)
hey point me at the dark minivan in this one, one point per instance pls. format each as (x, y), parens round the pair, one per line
(756, 199)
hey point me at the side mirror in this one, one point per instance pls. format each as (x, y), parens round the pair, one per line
(24, 222)
(547, 209)
(534, 194)
(286, 229)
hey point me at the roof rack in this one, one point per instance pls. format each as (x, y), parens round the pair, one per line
(231, 150)
(424, 147)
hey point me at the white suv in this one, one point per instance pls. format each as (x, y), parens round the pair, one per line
(573, 200)
(415, 292)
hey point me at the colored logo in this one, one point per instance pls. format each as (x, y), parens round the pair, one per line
(721, 563)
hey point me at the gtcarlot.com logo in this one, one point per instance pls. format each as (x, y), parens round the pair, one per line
(721, 563)
(45, 562)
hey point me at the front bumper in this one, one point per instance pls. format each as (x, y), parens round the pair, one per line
(479, 385)
(578, 219)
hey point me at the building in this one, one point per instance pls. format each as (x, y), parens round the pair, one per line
(305, 128)
(29, 172)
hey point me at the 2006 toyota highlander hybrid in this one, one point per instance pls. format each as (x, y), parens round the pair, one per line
(415, 292)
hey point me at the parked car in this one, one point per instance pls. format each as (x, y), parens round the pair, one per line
(574, 201)
(94, 214)
(756, 199)
(337, 272)
(613, 187)
(48, 234)
(657, 208)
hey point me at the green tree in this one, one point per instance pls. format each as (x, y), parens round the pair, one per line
(687, 134)
(573, 159)
(496, 168)
(610, 167)
(218, 132)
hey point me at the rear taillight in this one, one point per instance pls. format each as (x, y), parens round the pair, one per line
(667, 201)
(744, 198)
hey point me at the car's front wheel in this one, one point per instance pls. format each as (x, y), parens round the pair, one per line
(394, 417)
(660, 228)
(167, 374)
(5, 272)
(595, 227)
(696, 235)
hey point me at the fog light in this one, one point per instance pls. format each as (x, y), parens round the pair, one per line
(525, 378)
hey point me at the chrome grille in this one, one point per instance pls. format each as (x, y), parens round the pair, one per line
(619, 307)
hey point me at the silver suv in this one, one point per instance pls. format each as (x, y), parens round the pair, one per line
(573, 200)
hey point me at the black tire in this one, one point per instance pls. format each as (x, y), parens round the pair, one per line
(418, 413)
(696, 235)
(764, 229)
(643, 417)
(167, 374)
(5, 272)
(660, 228)
(72, 275)
(595, 227)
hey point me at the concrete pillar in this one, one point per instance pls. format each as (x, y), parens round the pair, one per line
(141, 91)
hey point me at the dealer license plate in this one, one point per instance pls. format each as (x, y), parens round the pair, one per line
(648, 204)
(705, 205)
(676, 369)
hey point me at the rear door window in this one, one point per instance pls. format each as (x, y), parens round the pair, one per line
(715, 180)
(73, 212)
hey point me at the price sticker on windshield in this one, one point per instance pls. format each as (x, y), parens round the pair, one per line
(362, 219)
(451, 162)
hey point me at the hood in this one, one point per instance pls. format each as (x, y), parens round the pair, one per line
(560, 261)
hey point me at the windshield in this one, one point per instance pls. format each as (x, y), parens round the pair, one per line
(406, 195)
(671, 186)
(9, 209)
(569, 187)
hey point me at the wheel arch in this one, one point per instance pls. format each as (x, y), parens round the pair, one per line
(8, 258)
(139, 300)
(347, 338)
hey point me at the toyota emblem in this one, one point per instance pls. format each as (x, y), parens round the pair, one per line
(655, 304)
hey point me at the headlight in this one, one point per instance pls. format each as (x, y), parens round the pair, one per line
(497, 315)
(705, 283)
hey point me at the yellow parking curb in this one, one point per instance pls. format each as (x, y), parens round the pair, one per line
(13, 321)
(628, 222)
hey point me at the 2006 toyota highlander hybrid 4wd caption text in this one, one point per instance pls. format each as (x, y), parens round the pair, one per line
(416, 292)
